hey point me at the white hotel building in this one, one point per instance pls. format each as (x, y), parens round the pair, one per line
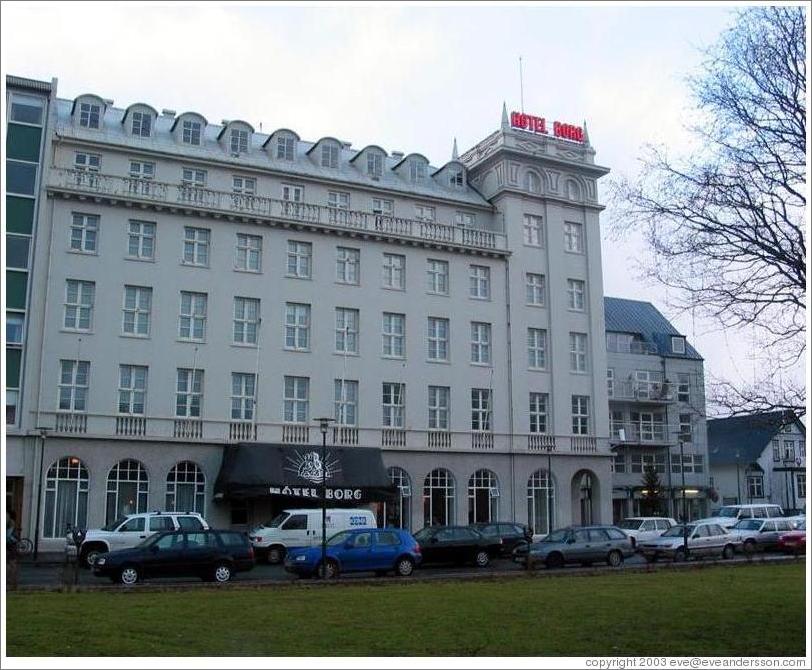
(192, 285)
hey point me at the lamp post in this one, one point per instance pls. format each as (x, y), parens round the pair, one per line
(550, 448)
(324, 424)
(684, 501)
(738, 482)
(43, 433)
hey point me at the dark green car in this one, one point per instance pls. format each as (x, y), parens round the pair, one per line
(581, 544)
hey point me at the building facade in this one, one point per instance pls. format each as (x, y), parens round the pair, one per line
(657, 419)
(197, 285)
(759, 458)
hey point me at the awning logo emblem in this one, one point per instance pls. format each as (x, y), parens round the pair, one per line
(309, 466)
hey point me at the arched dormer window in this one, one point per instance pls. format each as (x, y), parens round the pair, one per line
(417, 170)
(189, 128)
(281, 145)
(326, 152)
(451, 175)
(139, 120)
(413, 168)
(532, 182)
(235, 136)
(88, 111)
(455, 177)
(370, 160)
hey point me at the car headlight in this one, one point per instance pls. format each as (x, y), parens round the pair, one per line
(301, 558)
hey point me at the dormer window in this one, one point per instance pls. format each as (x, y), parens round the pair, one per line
(284, 147)
(329, 155)
(89, 115)
(239, 141)
(455, 179)
(142, 124)
(677, 345)
(417, 170)
(374, 164)
(191, 132)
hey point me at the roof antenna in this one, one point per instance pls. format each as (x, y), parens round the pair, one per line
(521, 84)
(454, 154)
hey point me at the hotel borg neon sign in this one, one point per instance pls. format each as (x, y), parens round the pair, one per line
(536, 124)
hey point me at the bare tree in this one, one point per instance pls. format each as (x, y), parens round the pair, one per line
(725, 224)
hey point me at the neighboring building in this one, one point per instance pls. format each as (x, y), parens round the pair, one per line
(28, 105)
(759, 458)
(656, 389)
(198, 285)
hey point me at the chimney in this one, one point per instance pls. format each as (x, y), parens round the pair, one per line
(397, 155)
(168, 112)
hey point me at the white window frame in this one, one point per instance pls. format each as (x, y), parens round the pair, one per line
(191, 132)
(345, 397)
(394, 272)
(346, 330)
(535, 289)
(438, 335)
(393, 404)
(383, 206)
(296, 395)
(90, 115)
(677, 340)
(329, 155)
(138, 127)
(247, 318)
(196, 246)
(132, 389)
(140, 307)
(479, 282)
(394, 335)
(437, 276)
(75, 387)
(573, 237)
(243, 396)
(348, 266)
(580, 415)
(439, 406)
(141, 240)
(87, 227)
(425, 213)
(338, 207)
(464, 219)
(239, 141)
(683, 387)
(80, 306)
(297, 326)
(579, 352)
(285, 147)
(576, 295)
(537, 348)
(539, 409)
(375, 164)
(533, 234)
(417, 170)
(299, 259)
(189, 393)
(481, 410)
(193, 316)
(248, 253)
(480, 343)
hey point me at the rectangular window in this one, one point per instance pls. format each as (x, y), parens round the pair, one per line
(393, 404)
(699, 463)
(74, 381)
(243, 396)
(789, 450)
(84, 231)
(480, 343)
(537, 348)
(439, 407)
(26, 109)
(196, 242)
(193, 183)
(755, 486)
(678, 345)
(292, 194)
(480, 282)
(87, 168)
(640, 462)
(141, 240)
(455, 179)
(610, 382)
(329, 155)
(132, 389)
(189, 393)
(89, 115)
(580, 415)
(800, 484)
(685, 428)
(394, 271)
(374, 164)
(297, 326)
(191, 132)
(538, 412)
(576, 294)
(394, 335)
(533, 230)
(142, 124)
(417, 170)
(249, 253)
(776, 451)
(346, 402)
(17, 248)
(347, 330)
(12, 400)
(338, 207)
(79, 298)
(683, 387)
(383, 206)
(438, 339)
(297, 399)
(574, 237)
(464, 219)
(536, 291)
(239, 141)
(193, 307)
(300, 256)
(243, 186)
(348, 265)
(137, 310)
(15, 323)
(578, 352)
(284, 147)
(141, 176)
(481, 409)
(246, 320)
(620, 463)
(437, 276)
(424, 213)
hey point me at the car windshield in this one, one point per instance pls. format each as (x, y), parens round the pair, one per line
(152, 539)
(629, 524)
(422, 534)
(276, 521)
(749, 524)
(114, 524)
(556, 536)
(677, 531)
(339, 538)
(728, 512)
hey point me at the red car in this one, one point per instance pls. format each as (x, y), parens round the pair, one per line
(794, 541)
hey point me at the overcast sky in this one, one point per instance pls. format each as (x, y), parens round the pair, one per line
(406, 78)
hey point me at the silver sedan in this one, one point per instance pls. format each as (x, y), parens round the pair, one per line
(685, 541)
(585, 545)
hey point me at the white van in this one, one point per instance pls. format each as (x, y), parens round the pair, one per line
(302, 528)
(730, 515)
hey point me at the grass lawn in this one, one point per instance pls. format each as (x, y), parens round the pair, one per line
(751, 610)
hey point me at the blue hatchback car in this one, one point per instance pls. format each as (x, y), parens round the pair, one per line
(378, 550)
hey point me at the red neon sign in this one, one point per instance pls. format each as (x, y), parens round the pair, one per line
(537, 124)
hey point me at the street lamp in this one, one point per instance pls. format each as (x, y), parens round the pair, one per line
(324, 424)
(738, 482)
(550, 448)
(684, 500)
(43, 433)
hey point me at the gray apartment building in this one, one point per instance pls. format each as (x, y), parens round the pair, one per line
(191, 290)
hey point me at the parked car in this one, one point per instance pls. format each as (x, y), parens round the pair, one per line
(296, 528)
(378, 550)
(456, 544)
(794, 541)
(645, 527)
(760, 534)
(703, 539)
(511, 535)
(729, 515)
(582, 544)
(131, 530)
(797, 519)
(209, 554)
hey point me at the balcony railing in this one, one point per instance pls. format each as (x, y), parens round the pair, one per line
(657, 392)
(634, 431)
(632, 348)
(190, 196)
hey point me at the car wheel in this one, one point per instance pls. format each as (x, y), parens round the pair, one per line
(749, 547)
(482, 559)
(89, 556)
(276, 555)
(331, 572)
(405, 567)
(727, 552)
(222, 573)
(615, 558)
(680, 555)
(555, 560)
(129, 575)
